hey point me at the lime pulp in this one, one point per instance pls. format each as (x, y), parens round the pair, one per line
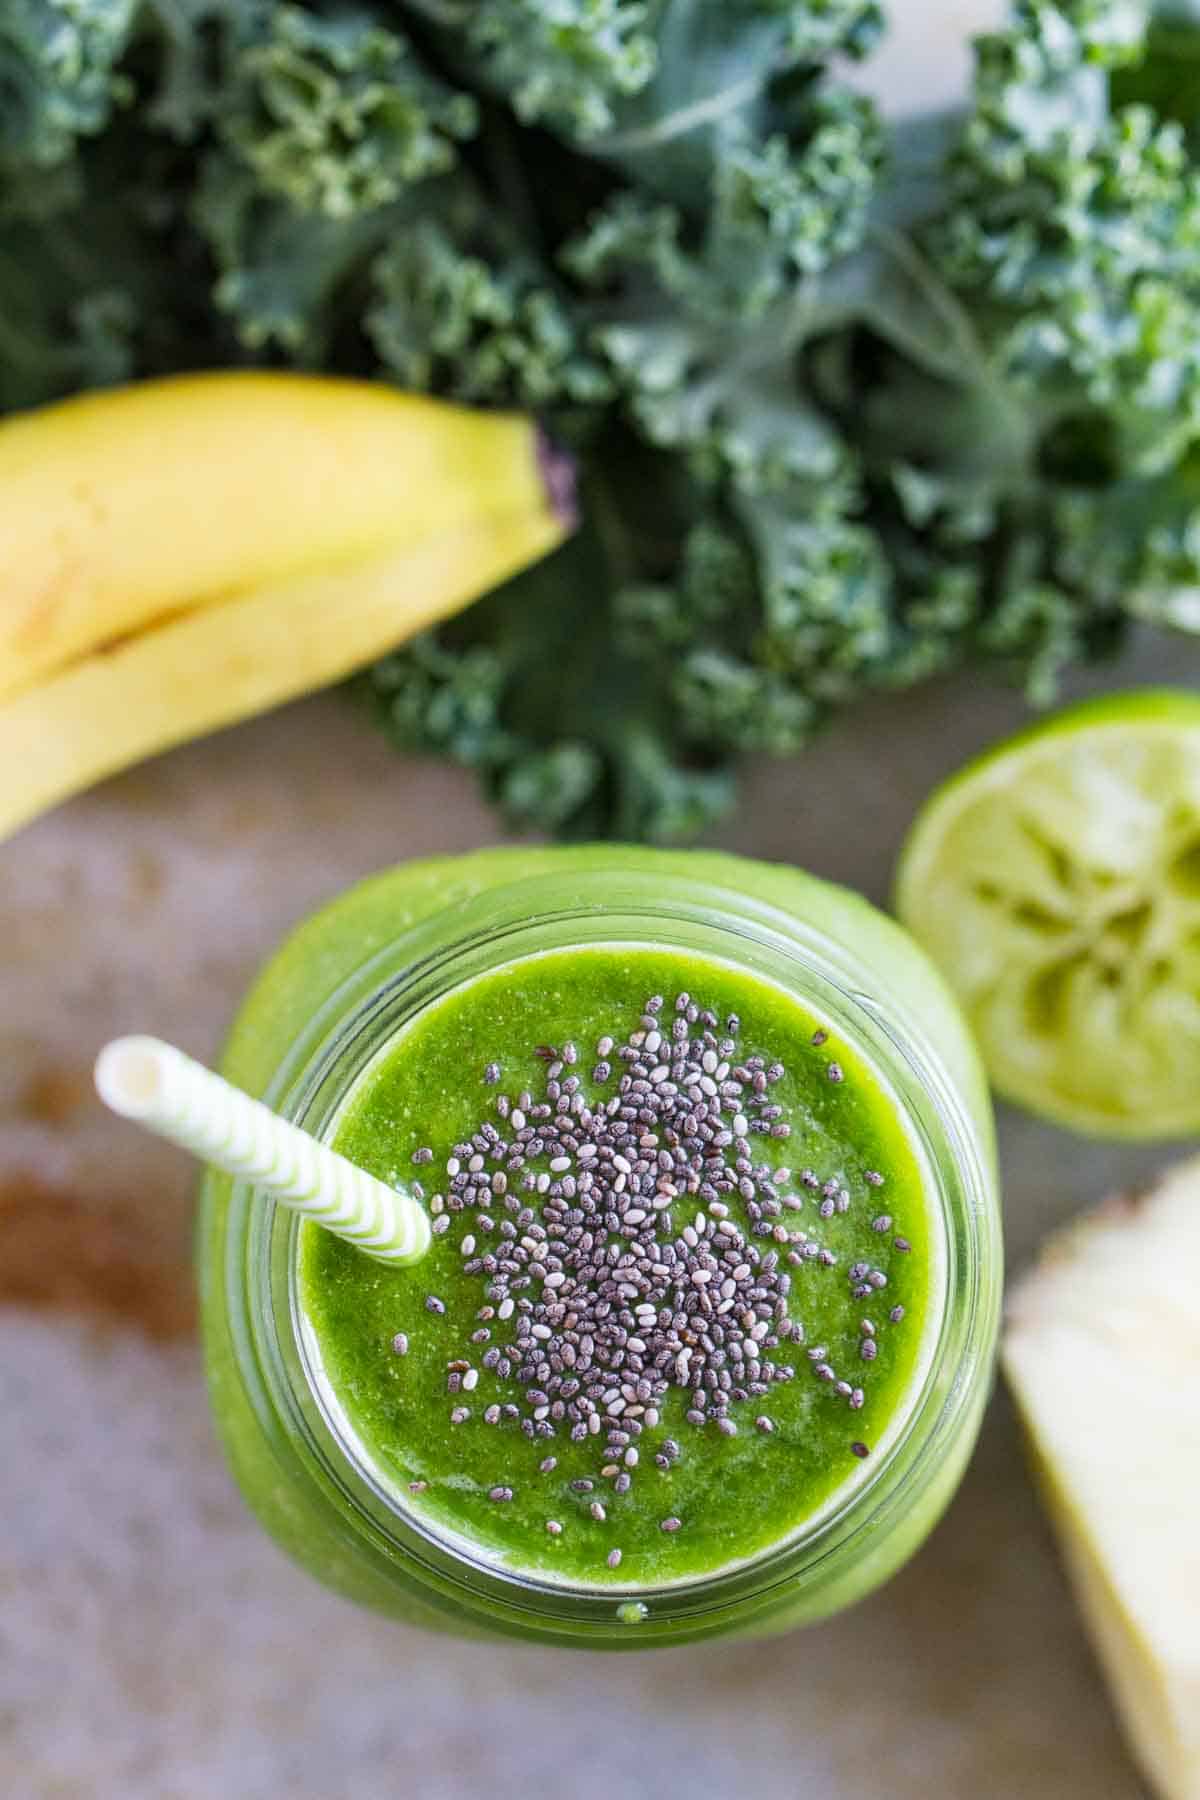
(1056, 883)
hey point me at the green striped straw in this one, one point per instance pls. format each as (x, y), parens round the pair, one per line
(149, 1081)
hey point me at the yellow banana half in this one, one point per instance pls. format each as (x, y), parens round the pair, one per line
(182, 554)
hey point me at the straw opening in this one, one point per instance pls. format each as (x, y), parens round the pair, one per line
(129, 1075)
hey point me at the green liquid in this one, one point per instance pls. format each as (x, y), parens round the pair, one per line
(735, 1496)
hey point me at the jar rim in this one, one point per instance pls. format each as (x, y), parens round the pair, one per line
(527, 918)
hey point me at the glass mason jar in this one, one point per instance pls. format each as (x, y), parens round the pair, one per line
(339, 989)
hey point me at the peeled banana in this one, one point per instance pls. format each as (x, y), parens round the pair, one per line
(183, 553)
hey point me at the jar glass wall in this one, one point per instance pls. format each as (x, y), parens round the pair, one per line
(347, 985)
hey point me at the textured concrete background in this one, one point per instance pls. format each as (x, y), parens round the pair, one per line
(153, 1645)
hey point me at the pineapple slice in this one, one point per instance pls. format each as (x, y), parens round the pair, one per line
(1102, 1351)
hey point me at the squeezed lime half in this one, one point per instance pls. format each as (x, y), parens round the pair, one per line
(1056, 883)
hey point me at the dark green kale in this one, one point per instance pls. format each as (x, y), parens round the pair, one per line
(60, 77)
(847, 409)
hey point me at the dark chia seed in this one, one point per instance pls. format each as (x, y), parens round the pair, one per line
(612, 1272)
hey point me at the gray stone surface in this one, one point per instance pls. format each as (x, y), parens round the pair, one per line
(153, 1645)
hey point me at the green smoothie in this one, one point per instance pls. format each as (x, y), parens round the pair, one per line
(805, 1284)
(725, 1384)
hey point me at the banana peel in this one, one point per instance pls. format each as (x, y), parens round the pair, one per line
(182, 554)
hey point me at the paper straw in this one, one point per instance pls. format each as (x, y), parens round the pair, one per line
(149, 1081)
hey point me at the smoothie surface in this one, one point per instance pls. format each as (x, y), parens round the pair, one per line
(850, 1225)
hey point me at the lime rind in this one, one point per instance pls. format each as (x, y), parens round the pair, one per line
(1056, 882)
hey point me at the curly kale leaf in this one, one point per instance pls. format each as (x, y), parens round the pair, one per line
(1146, 545)
(779, 616)
(336, 200)
(914, 438)
(1164, 77)
(45, 352)
(537, 690)
(1012, 470)
(564, 65)
(776, 211)
(59, 74)
(560, 63)
(849, 406)
(621, 711)
(1078, 242)
(588, 68)
(702, 340)
(462, 308)
(99, 278)
(702, 632)
(439, 695)
(1039, 461)
(819, 29)
(336, 115)
(282, 276)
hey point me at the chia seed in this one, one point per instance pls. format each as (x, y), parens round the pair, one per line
(626, 1254)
